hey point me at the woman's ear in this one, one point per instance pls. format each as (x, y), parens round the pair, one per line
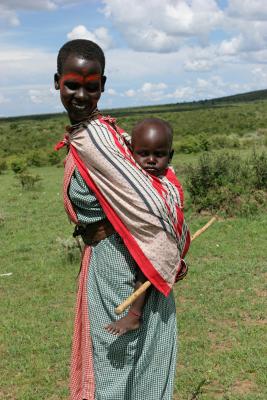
(171, 155)
(56, 81)
(103, 82)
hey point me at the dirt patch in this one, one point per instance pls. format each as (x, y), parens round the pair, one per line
(181, 300)
(222, 346)
(261, 293)
(252, 321)
(243, 387)
(214, 389)
(225, 323)
(217, 344)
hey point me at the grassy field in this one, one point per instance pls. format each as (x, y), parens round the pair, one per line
(196, 128)
(220, 306)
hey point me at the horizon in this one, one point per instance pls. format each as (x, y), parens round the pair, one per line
(137, 106)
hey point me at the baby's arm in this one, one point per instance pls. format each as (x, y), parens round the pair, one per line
(131, 320)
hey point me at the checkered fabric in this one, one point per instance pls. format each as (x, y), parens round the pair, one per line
(141, 364)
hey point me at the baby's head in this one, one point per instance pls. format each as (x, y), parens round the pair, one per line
(80, 77)
(152, 145)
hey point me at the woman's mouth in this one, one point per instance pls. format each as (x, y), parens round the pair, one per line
(79, 107)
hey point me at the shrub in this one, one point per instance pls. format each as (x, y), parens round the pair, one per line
(54, 158)
(259, 169)
(27, 180)
(18, 166)
(224, 142)
(35, 159)
(3, 166)
(2, 219)
(69, 248)
(228, 184)
(187, 146)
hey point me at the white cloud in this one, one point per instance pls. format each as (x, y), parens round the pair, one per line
(260, 76)
(150, 87)
(185, 93)
(9, 8)
(171, 54)
(232, 46)
(25, 65)
(248, 9)
(4, 99)
(30, 4)
(130, 93)
(199, 65)
(148, 92)
(161, 26)
(99, 35)
(7, 16)
(111, 92)
(41, 95)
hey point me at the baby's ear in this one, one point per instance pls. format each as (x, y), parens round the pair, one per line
(56, 81)
(171, 155)
(103, 82)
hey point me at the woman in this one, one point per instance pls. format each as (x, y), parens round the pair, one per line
(136, 229)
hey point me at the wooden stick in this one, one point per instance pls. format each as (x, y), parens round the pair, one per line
(203, 229)
(131, 299)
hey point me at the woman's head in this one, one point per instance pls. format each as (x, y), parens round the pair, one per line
(83, 48)
(80, 77)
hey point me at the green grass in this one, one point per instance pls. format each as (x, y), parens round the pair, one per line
(220, 305)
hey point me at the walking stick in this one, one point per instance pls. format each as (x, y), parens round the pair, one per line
(131, 299)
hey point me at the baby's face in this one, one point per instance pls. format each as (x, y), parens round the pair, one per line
(152, 149)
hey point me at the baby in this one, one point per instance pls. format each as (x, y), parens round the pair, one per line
(151, 147)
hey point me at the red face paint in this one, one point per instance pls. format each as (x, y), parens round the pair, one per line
(82, 80)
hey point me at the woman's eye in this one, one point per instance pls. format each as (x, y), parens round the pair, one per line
(72, 85)
(92, 87)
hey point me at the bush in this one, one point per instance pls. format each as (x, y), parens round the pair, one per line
(35, 159)
(69, 248)
(54, 158)
(2, 219)
(259, 169)
(18, 166)
(193, 144)
(27, 180)
(224, 142)
(3, 166)
(228, 184)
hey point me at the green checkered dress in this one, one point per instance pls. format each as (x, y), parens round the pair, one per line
(139, 365)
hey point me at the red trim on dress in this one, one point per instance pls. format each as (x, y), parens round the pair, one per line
(143, 262)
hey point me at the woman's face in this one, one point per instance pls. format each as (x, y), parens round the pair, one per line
(81, 84)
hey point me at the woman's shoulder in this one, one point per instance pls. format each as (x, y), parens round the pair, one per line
(108, 125)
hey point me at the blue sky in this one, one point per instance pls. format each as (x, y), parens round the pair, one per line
(156, 51)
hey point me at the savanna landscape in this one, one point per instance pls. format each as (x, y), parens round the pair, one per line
(221, 160)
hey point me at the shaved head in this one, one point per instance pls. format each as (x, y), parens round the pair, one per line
(153, 124)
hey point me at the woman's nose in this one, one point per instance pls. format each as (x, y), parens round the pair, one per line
(81, 93)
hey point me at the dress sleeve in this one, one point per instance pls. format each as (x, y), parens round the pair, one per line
(86, 205)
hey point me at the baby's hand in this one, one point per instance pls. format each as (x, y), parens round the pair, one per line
(126, 324)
